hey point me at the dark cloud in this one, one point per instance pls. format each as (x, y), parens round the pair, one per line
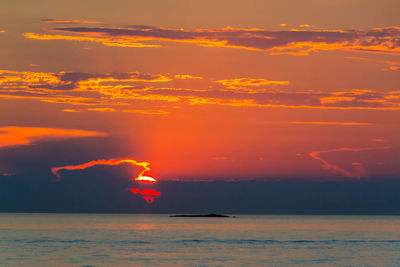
(109, 193)
(70, 21)
(81, 76)
(292, 41)
(65, 81)
(81, 88)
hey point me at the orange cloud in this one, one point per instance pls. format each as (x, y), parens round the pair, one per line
(70, 110)
(150, 112)
(64, 88)
(17, 136)
(248, 82)
(109, 162)
(104, 41)
(295, 42)
(106, 92)
(70, 100)
(139, 111)
(102, 109)
(186, 76)
(252, 103)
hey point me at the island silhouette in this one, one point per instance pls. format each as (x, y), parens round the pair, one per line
(202, 215)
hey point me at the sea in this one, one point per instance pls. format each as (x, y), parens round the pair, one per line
(160, 240)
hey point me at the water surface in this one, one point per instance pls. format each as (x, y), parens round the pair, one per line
(158, 240)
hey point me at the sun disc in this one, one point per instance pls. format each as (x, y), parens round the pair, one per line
(146, 179)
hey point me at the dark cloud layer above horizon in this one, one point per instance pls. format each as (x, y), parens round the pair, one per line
(110, 195)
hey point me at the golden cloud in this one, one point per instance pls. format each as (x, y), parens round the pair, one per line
(295, 42)
(105, 41)
(248, 82)
(112, 91)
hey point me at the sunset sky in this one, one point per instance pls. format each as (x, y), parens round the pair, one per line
(202, 90)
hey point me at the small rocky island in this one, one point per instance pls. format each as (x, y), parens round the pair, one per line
(211, 215)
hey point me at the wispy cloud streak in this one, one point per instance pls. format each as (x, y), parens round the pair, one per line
(337, 169)
(107, 162)
(332, 123)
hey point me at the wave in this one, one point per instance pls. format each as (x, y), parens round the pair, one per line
(222, 241)
(74, 241)
(270, 241)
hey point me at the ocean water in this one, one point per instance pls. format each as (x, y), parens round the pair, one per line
(158, 240)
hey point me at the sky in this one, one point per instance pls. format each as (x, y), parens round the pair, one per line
(227, 91)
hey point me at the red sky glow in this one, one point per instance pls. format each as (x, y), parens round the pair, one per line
(204, 90)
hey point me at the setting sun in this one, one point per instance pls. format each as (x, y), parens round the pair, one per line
(147, 179)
